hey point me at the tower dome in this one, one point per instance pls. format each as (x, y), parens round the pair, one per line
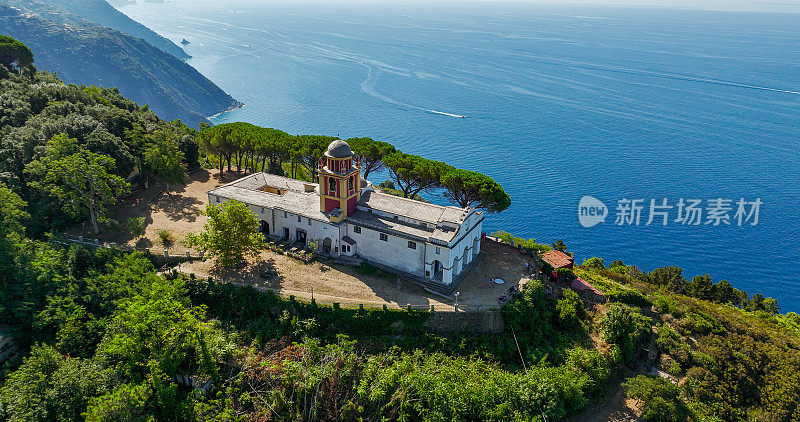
(339, 149)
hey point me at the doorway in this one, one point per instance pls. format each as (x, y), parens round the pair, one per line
(300, 236)
(326, 245)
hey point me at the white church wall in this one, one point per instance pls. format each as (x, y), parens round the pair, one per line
(393, 251)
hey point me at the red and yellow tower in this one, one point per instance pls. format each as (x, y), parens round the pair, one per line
(339, 181)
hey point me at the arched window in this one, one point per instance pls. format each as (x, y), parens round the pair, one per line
(332, 185)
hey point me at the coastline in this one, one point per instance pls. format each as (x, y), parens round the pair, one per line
(236, 107)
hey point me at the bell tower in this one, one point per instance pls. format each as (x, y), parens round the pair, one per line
(339, 181)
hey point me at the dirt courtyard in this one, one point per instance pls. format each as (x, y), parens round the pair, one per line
(179, 213)
(351, 286)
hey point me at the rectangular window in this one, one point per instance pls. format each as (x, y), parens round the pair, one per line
(438, 251)
(350, 184)
(412, 245)
(299, 220)
(285, 215)
(309, 221)
(357, 229)
(384, 237)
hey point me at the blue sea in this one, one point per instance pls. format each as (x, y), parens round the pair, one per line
(554, 102)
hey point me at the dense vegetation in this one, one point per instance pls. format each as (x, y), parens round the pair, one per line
(735, 356)
(83, 51)
(104, 337)
(68, 150)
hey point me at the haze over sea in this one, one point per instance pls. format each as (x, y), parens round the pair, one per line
(559, 102)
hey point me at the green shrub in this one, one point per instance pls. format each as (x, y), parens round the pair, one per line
(660, 398)
(529, 245)
(422, 387)
(664, 304)
(565, 274)
(570, 311)
(594, 262)
(628, 297)
(136, 226)
(593, 364)
(674, 367)
(626, 327)
(700, 323)
(166, 237)
(668, 339)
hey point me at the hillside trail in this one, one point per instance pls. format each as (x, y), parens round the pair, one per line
(613, 407)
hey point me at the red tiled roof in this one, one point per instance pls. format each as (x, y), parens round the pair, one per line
(557, 259)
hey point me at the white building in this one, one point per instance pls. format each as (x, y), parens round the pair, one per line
(345, 216)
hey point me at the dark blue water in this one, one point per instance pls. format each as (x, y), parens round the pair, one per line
(560, 102)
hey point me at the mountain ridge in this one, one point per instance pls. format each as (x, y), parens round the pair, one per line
(83, 52)
(104, 14)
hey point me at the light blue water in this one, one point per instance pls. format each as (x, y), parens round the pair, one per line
(560, 102)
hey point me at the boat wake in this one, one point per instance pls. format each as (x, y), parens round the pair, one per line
(459, 116)
(368, 86)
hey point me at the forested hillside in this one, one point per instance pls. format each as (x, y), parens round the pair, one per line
(36, 107)
(83, 52)
(103, 336)
(102, 13)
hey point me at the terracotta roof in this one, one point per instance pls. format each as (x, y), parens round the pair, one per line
(557, 259)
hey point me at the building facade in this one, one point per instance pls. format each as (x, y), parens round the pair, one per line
(346, 216)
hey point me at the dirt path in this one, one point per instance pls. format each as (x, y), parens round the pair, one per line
(614, 406)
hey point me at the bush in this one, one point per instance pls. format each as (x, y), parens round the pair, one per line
(593, 364)
(626, 327)
(668, 339)
(166, 237)
(136, 226)
(565, 275)
(628, 296)
(529, 245)
(700, 323)
(594, 262)
(660, 398)
(667, 305)
(570, 311)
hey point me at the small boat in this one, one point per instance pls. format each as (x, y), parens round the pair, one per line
(185, 41)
